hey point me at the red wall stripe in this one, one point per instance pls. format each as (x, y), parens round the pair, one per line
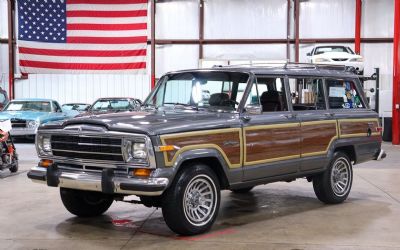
(107, 40)
(90, 26)
(81, 53)
(83, 66)
(106, 1)
(92, 13)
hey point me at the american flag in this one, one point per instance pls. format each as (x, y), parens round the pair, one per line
(82, 36)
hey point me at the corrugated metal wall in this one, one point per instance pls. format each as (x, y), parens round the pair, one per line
(225, 19)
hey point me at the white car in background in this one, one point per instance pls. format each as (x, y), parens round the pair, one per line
(336, 55)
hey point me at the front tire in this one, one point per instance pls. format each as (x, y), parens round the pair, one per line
(190, 206)
(85, 203)
(334, 185)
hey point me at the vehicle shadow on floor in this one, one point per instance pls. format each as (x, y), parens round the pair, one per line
(237, 210)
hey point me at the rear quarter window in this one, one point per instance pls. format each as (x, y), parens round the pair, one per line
(343, 94)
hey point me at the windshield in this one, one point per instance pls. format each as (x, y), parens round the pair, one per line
(111, 104)
(324, 49)
(79, 107)
(215, 90)
(28, 106)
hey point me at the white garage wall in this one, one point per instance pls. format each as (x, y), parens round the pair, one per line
(377, 18)
(177, 19)
(82, 88)
(3, 19)
(246, 52)
(176, 57)
(327, 18)
(245, 19)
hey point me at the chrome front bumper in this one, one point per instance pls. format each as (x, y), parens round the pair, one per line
(98, 181)
(23, 131)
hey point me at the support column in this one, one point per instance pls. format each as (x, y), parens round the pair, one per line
(288, 31)
(297, 29)
(396, 75)
(11, 58)
(153, 43)
(357, 33)
(201, 28)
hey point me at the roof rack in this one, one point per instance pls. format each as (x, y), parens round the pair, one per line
(291, 65)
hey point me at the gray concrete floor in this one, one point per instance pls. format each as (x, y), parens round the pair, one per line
(274, 216)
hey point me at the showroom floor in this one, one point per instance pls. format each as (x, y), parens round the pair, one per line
(275, 216)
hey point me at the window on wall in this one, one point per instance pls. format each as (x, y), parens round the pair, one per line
(343, 94)
(307, 93)
(270, 94)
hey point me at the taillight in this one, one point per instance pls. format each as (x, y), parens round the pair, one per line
(379, 129)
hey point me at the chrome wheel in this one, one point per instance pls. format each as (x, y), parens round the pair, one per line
(341, 177)
(200, 200)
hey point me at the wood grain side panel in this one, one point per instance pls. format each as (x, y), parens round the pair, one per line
(228, 142)
(270, 144)
(316, 137)
(358, 127)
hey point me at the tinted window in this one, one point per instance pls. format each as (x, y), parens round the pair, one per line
(270, 94)
(216, 90)
(343, 94)
(307, 93)
(29, 106)
(111, 104)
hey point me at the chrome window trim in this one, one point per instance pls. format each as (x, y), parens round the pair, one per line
(105, 133)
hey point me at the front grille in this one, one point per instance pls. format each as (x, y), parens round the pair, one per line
(339, 59)
(18, 123)
(85, 147)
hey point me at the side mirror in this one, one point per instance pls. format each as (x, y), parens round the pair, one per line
(309, 54)
(254, 109)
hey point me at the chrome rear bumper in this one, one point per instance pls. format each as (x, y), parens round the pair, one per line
(381, 155)
(104, 181)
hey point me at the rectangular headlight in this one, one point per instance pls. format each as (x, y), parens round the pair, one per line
(134, 151)
(43, 144)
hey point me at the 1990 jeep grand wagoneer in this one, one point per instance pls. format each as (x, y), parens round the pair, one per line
(203, 131)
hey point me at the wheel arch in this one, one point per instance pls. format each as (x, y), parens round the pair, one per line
(209, 157)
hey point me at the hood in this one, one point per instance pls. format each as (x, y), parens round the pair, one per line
(153, 122)
(337, 55)
(25, 115)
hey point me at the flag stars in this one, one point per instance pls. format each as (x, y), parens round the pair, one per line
(45, 20)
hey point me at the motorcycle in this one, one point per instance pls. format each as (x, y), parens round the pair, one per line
(8, 154)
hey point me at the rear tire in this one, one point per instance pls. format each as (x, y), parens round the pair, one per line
(85, 203)
(334, 185)
(14, 168)
(190, 206)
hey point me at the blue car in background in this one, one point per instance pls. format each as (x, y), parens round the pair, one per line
(27, 115)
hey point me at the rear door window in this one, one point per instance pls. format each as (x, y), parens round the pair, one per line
(307, 93)
(343, 94)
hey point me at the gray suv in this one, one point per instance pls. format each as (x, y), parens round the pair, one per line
(203, 131)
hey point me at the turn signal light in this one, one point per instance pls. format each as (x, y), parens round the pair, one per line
(45, 163)
(166, 148)
(142, 172)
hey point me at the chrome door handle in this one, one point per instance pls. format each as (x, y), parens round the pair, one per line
(329, 114)
(291, 116)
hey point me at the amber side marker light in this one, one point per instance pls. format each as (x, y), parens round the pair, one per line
(45, 163)
(142, 172)
(167, 148)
